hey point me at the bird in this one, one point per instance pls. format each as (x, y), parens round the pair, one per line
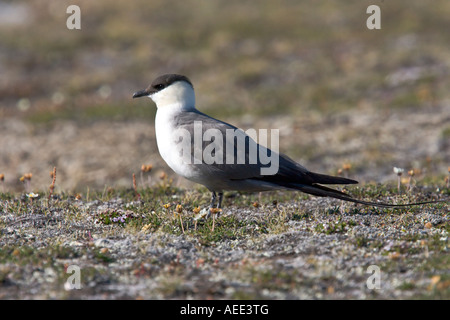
(178, 122)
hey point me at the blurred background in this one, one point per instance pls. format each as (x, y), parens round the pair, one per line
(342, 96)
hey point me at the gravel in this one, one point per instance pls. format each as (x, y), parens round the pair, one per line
(297, 260)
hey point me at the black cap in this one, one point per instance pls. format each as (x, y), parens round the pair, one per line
(160, 83)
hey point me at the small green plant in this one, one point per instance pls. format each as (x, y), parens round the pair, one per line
(361, 241)
(115, 216)
(339, 226)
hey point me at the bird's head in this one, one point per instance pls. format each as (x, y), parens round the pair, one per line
(170, 90)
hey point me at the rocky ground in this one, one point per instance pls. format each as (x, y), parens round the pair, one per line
(269, 248)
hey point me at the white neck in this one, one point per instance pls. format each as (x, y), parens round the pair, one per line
(179, 95)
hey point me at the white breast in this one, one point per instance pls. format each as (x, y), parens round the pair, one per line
(167, 138)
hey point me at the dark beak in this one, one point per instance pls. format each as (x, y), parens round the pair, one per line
(142, 93)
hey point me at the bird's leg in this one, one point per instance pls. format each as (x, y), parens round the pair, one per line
(213, 199)
(213, 208)
(212, 204)
(219, 205)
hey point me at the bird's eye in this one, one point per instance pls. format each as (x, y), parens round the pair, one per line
(159, 86)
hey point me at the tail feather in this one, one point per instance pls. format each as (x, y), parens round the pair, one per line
(322, 191)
